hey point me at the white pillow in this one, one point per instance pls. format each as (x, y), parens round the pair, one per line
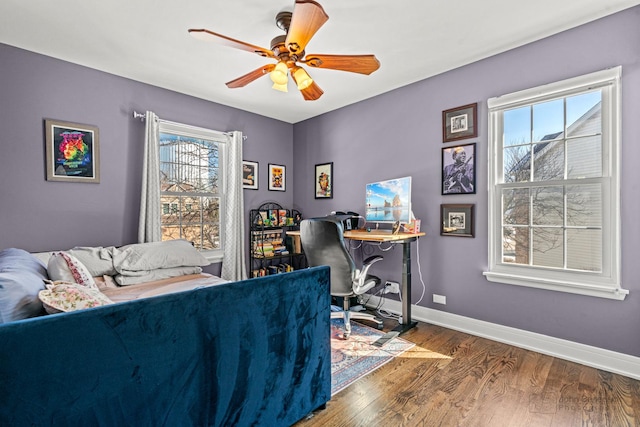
(66, 268)
(142, 258)
(98, 260)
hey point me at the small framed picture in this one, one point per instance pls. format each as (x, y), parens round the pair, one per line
(249, 175)
(460, 123)
(72, 151)
(277, 178)
(459, 169)
(457, 220)
(324, 181)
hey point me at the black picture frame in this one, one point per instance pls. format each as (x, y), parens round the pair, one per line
(72, 152)
(249, 175)
(459, 169)
(277, 177)
(323, 182)
(457, 220)
(460, 123)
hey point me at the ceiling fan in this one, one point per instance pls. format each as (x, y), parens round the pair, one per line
(289, 50)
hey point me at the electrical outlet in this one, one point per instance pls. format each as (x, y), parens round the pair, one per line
(391, 287)
(439, 299)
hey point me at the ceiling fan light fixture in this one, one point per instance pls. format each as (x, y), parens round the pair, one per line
(288, 49)
(302, 79)
(281, 88)
(279, 74)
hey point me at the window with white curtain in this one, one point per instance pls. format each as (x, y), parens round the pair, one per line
(554, 186)
(191, 189)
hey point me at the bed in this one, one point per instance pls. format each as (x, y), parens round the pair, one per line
(189, 350)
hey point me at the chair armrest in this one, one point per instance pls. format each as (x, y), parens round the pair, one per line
(368, 263)
(372, 259)
(361, 275)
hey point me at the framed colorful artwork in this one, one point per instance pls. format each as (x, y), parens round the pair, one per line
(324, 181)
(249, 175)
(460, 123)
(72, 152)
(277, 178)
(459, 169)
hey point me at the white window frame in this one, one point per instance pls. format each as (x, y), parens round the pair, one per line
(222, 139)
(605, 284)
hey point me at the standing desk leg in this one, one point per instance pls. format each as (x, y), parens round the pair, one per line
(406, 323)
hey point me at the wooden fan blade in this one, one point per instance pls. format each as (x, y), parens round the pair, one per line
(249, 77)
(363, 64)
(308, 16)
(312, 93)
(207, 35)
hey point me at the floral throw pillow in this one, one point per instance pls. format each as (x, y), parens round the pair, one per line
(65, 267)
(61, 296)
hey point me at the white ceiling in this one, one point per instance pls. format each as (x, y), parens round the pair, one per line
(147, 41)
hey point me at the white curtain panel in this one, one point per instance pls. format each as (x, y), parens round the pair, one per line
(233, 261)
(149, 226)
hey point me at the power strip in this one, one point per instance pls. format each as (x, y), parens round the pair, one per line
(391, 287)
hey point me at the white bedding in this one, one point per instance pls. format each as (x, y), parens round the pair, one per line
(159, 287)
(127, 273)
(141, 270)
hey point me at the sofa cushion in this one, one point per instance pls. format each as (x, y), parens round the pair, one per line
(59, 297)
(22, 276)
(67, 268)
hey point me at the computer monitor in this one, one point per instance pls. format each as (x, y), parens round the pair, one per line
(389, 201)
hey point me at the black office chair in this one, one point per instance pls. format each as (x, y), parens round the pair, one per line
(323, 244)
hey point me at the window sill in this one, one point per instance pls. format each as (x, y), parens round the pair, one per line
(556, 285)
(213, 256)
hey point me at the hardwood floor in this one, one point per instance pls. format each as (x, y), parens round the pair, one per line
(454, 379)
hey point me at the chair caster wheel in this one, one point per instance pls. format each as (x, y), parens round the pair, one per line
(380, 327)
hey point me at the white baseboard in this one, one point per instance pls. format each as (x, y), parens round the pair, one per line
(595, 357)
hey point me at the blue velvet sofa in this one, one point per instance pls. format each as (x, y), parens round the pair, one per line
(248, 353)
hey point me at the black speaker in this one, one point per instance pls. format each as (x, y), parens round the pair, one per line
(354, 220)
(349, 220)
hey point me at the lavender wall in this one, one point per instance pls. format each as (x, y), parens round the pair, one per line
(399, 133)
(39, 215)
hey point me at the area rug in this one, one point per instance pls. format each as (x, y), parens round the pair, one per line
(356, 357)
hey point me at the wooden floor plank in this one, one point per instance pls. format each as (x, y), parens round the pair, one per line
(455, 379)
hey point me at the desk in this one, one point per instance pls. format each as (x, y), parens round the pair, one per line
(405, 240)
